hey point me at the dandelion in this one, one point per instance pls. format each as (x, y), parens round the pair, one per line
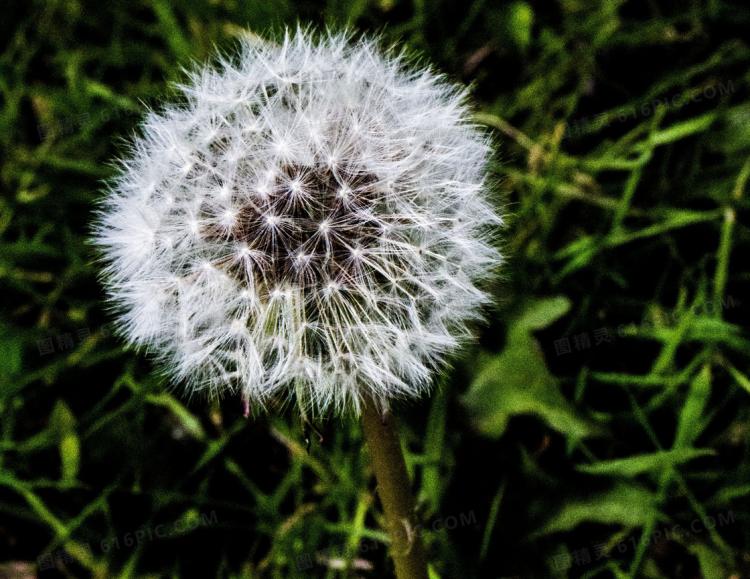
(309, 224)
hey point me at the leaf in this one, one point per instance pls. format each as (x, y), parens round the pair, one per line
(627, 505)
(434, 480)
(711, 562)
(62, 419)
(187, 420)
(70, 457)
(517, 380)
(539, 314)
(63, 425)
(681, 130)
(739, 377)
(187, 522)
(689, 425)
(727, 494)
(10, 360)
(733, 136)
(635, 465)
(519, 23)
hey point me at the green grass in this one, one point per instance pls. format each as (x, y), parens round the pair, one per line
(599, 428)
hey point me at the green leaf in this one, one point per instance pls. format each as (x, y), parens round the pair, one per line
(627, 505)
(733, 136)
(517, 380)
(711, 563)
(689, 425)
(538, 314)
(188, 421)
(188, 521)
(739, 377)
(63, 425)
(635, 465)
(519, 23)
(681, 130)
(62, 419)
(434, 480)
(70, 457)
(729, 493)
(10, 360)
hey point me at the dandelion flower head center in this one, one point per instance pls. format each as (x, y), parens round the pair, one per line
(305, 227)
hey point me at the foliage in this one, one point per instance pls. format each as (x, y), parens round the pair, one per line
(598, 429)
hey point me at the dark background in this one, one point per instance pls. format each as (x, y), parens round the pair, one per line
(599, 428)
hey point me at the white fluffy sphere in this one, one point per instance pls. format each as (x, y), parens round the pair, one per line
(310, 223)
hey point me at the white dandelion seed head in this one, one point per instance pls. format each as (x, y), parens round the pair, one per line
(311, 223)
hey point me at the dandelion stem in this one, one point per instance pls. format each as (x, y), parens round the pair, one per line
(394, 490)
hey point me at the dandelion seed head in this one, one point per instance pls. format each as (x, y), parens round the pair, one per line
(312, 223)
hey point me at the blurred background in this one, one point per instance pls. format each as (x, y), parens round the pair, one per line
(599, 427)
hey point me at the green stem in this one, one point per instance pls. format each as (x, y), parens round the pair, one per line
(394, 490)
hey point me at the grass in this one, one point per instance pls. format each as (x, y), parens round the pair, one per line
(598, 429)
